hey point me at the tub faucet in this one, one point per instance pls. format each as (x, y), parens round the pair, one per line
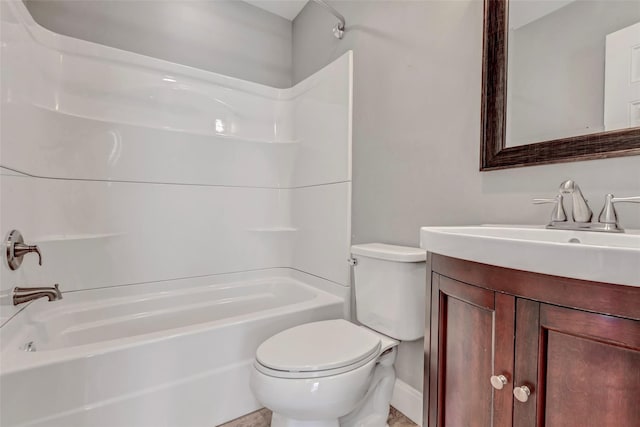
(21, 295)
(581, 210)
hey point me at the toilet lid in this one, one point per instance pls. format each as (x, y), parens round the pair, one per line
(318, 346)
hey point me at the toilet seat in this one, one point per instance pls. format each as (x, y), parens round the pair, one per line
(318, 349)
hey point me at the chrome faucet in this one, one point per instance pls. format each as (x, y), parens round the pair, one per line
(22, 295)
(581, 212)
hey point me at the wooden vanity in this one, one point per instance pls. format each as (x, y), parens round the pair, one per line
(573, 345)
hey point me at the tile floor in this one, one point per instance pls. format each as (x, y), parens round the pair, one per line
(262, 418)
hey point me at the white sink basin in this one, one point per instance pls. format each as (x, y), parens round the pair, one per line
(601, 257)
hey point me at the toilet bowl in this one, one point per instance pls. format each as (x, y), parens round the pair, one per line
(333, 368)
(335, 373)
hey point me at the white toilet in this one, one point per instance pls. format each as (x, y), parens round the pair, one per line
(335, 373)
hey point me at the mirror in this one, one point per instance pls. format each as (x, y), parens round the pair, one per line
(561, 81)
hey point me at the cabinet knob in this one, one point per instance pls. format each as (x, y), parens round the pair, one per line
(498, 381)
(522, 393)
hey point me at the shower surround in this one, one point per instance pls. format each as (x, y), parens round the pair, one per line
(140, 174)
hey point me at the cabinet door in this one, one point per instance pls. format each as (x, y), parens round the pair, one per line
(583, 368)
(471, 340)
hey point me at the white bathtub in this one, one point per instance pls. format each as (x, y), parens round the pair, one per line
(175, 354)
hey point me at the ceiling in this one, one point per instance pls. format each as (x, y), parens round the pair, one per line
(288, 9)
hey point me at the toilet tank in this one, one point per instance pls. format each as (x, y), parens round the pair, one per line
(390, 286)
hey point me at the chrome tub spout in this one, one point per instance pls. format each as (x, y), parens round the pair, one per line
(22, 295)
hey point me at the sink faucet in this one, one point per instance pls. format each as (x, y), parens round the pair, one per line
(22, 295)
(582, 214)
(581, 210)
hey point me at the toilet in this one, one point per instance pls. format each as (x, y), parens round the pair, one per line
(336, 373)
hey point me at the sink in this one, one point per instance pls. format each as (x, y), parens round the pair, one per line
(601, 257)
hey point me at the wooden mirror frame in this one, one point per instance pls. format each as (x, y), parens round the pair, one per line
(493, 152)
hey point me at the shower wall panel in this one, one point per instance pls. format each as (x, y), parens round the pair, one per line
(129, 169)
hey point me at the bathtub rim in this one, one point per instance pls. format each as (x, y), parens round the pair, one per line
(14, 331)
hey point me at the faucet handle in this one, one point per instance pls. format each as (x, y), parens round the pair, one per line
(20, 249)
(16, 249)
(558, 214)
(608, 214)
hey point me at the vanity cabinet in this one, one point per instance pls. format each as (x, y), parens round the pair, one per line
(569, 348)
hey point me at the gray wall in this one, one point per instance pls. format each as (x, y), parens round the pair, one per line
(416, 130)
(228, 37)
(556, 70)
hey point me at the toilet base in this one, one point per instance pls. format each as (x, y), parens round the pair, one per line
(278, 420)
(373, 409)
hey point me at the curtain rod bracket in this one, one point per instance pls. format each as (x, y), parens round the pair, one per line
(338, 30)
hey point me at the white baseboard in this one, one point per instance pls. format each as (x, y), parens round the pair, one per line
(407, 400)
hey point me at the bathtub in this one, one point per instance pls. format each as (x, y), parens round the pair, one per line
(175, 353)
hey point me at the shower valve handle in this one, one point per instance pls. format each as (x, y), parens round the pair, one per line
(16, 249)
